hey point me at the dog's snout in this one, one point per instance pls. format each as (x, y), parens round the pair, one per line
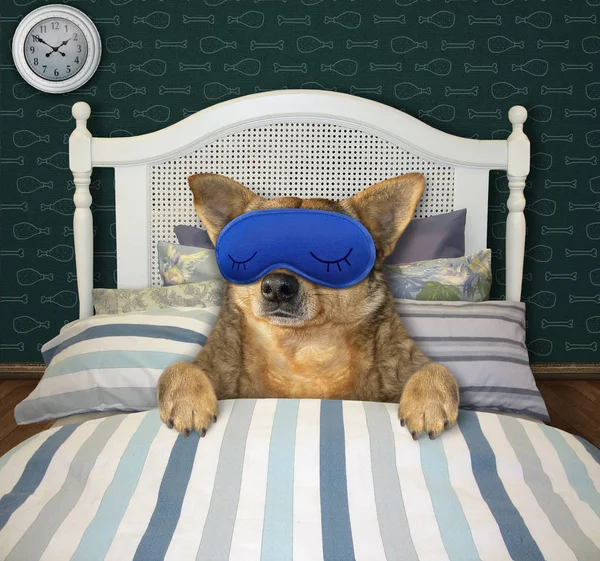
(278, 287)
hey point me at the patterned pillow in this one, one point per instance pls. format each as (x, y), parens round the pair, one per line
(122, 301)
(180, 264)
(467, 278)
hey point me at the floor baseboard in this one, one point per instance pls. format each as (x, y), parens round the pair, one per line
(543, 371)
(21, 370)
(561, 370)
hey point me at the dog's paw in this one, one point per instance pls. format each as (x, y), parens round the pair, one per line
(429, 401)
(186, 399)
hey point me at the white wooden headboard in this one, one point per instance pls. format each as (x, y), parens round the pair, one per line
(295, 142)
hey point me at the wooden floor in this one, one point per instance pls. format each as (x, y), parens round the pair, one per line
(13, 392)
(574, 407)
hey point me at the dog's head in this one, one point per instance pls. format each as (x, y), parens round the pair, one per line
(286, 299)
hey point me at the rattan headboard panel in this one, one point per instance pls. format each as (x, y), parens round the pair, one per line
(290, 159)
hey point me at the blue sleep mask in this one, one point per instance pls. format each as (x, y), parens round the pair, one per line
(327, 248)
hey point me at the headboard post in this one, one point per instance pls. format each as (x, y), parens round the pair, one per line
(80, 163)
(517, 171)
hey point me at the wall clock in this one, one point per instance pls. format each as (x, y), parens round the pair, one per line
(56, 48)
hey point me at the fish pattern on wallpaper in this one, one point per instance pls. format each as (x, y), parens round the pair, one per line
(458, 65)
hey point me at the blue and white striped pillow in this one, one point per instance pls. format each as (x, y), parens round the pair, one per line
(113, 362)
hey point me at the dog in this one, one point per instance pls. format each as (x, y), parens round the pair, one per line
(284, 336)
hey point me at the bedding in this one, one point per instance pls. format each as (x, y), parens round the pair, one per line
(120, 300)
(193, 236)
(467, 278)
(63, 421)
(113, 362)
(434, 237)
(180, 264)
(303, 480)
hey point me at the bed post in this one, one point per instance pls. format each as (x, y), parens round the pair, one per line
(517, 171)
(80, 163)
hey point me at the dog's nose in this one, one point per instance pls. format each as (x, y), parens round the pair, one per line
(278, 287)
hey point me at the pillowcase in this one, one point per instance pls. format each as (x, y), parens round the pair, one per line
(434, 237)
(483, 345)
(195, 237)
(112, 363)
(119, 301)
(179, 264)
(467, 278)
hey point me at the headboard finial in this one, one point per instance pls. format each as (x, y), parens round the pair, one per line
(81, 112)
(517, 115)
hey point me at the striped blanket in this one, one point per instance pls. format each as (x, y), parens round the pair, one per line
(301, 479)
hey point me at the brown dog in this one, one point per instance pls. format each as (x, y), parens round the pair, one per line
(284, 336)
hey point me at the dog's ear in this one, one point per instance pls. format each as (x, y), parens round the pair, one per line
(386, 208)
(218, 200)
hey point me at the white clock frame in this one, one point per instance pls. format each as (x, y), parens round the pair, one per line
(90, 32)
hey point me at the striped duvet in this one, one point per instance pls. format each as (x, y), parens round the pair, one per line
(301, 479)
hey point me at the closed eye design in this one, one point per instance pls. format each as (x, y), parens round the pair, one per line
(238, 264)
(335, 261)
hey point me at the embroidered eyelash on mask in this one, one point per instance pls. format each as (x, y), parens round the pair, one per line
(327, 248)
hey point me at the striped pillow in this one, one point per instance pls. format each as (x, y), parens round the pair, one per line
(113, 362)
(483, 345)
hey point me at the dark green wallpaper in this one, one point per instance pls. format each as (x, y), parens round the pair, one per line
(459, 65)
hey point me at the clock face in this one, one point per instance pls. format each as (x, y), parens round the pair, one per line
(55, 49)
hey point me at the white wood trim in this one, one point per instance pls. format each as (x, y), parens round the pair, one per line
(471, 189)
(132, 203)
(300, 105)
(80, 162)
(131, 157)
(517, 171)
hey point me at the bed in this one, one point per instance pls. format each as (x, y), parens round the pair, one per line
(278, 479)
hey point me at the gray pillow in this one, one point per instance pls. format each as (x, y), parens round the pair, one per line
(483, 345)
(434, 237)
(192, 236)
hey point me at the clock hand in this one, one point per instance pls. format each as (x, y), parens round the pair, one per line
(55, 50)
(40, 40)
(62, 45)
(65, 42)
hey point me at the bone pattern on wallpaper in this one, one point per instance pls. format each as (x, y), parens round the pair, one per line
(458, 68)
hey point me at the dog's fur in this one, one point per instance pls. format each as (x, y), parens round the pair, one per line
(327, 343)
